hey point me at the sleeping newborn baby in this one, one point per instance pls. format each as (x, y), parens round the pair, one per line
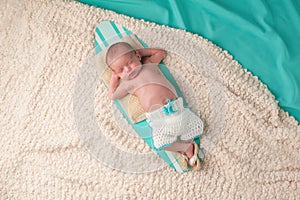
(136, 72)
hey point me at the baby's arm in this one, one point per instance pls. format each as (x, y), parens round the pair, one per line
(116, 90)
(113, 84)
(152, 55)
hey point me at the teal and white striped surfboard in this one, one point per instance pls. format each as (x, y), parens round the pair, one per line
(108, 33)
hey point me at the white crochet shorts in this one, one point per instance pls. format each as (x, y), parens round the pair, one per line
(173, 122)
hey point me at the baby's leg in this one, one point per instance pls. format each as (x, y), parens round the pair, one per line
(184, 146)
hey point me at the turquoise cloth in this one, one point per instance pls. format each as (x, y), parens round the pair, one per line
(264, 36)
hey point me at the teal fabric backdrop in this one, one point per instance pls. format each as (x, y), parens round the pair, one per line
(264, 36)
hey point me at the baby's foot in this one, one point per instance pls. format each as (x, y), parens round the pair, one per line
(192, 154)
(190, 151)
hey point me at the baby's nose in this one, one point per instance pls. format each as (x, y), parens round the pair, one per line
(127, 68)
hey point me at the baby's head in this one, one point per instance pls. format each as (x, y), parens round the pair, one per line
(122, 59)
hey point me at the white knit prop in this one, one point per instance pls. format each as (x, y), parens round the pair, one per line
(183, 124)
(43, 46)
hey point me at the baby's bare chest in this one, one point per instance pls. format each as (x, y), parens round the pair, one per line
(145, 77)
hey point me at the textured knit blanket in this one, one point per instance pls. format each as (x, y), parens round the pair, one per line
(252, 146)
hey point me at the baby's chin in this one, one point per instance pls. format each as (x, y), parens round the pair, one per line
(129, 76)
(132, 74)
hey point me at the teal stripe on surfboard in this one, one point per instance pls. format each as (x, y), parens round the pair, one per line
(97, 47)
(116, 29)
(101, 37)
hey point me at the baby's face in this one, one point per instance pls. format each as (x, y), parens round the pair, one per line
(126, 64)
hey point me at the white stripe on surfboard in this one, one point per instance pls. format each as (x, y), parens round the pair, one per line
(99, 41)
(109, 33)
(174, 161)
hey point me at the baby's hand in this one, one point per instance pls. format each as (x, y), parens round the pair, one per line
(110, 94)
(113, 84)
(114, 78)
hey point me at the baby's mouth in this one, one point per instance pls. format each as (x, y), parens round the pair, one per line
(133, 73)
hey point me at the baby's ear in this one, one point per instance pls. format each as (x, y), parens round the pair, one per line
(111, 69)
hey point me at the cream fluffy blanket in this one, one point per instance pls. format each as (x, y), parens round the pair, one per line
(252, 145)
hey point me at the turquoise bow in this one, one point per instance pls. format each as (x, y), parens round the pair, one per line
(168, 108)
